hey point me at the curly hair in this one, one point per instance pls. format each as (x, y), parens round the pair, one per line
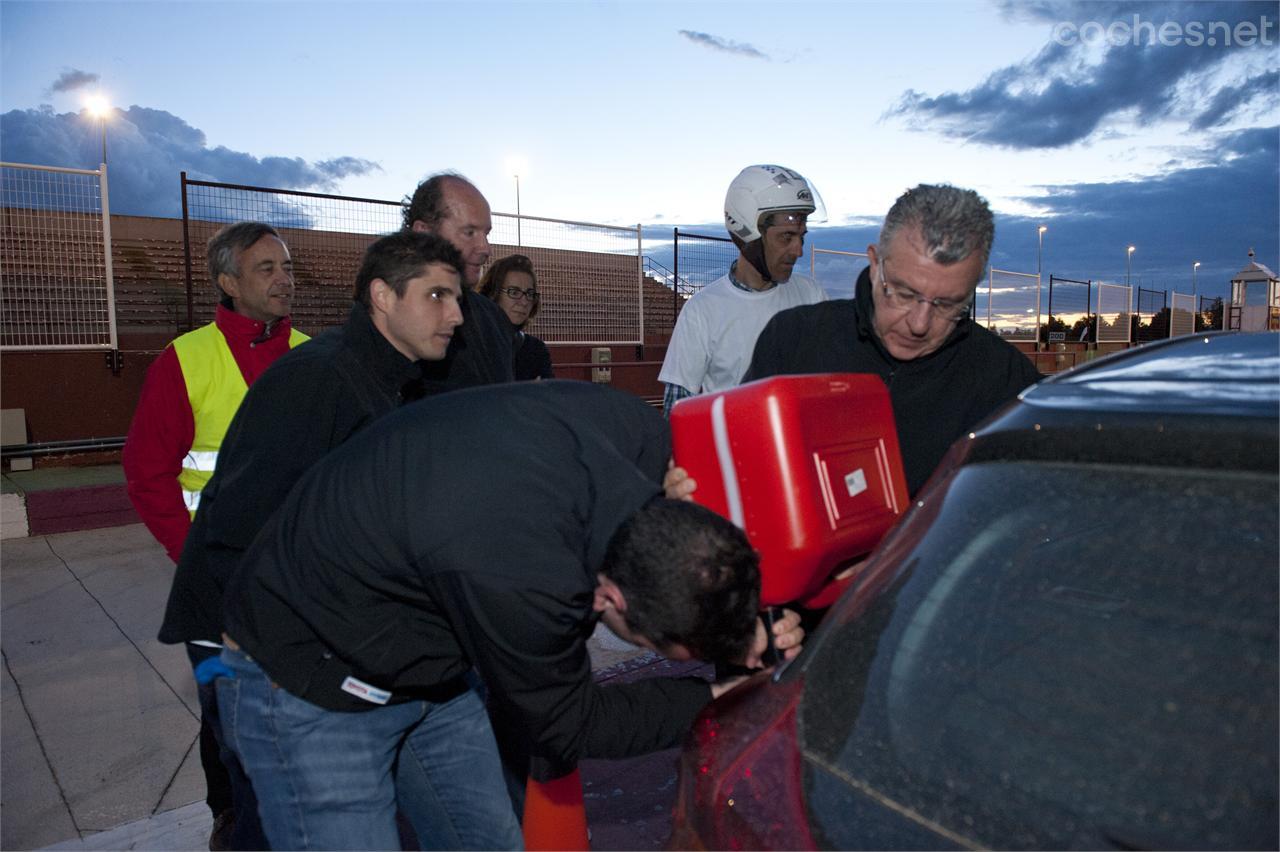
(426, 205)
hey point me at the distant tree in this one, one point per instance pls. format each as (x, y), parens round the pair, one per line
(1211, 319)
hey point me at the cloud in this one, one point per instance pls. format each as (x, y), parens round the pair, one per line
(1067, 91)
(1213, 212)
(725, 45)
(1227, 100)
(148, 148)
(72, 79)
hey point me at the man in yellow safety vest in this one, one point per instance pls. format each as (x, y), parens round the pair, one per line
(190, 395)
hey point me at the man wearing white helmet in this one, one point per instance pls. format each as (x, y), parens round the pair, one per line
(767, 211)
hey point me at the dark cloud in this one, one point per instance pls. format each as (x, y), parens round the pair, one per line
(1213, 213)
(1061, 96)
(72, 79)
(146, 151)
(725, 45)
(1227, 100)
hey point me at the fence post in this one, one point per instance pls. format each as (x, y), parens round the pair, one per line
(675, 285)
(640, 284)
(186, 251)
(106, 258)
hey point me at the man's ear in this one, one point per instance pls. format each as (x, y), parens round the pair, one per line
(872, 254)
(608, 596)
(419, 226)
(230, 285)
(381, 295)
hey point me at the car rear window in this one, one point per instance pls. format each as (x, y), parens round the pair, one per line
(1072, 656)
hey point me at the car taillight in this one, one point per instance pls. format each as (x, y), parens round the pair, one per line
(741, 773)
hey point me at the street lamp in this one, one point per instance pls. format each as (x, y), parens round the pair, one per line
(99, 107)
(1128, 265)
(1195, 266)
(1039, 251)
(518, 237)
(516, 165)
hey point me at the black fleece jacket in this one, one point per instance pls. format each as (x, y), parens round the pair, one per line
(935, 399)
(463, 531)
(309, 401)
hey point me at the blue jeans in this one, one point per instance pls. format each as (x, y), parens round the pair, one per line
(332, 780)
(246, 832)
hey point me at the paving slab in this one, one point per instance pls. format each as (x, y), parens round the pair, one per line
(115, 727)
(32, 809)
(185, 828)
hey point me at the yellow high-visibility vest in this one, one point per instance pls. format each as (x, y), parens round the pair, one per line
(215, 388)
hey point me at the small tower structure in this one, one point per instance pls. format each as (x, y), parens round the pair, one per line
(1255, 299)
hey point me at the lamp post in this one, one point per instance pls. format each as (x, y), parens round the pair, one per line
(518, 238)
(516, 166)
(1195, 266)
(1039, 252)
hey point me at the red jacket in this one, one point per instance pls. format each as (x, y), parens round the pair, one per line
(163, 424)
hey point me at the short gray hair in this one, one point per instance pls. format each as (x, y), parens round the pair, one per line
(225, 247)
(954, 222)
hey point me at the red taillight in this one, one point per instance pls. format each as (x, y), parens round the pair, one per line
(741, 774)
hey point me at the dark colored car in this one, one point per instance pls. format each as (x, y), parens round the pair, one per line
(1069, 641)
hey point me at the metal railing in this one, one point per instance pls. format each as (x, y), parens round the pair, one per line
(590, 275)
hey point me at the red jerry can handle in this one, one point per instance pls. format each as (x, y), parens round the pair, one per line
(554, 814)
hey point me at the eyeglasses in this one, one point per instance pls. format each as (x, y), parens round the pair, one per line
(516, 294)
(904, 299)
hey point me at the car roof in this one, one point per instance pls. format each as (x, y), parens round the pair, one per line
(1225, 373)
(1200, 401)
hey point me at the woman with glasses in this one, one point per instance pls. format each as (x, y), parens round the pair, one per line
(511, 283)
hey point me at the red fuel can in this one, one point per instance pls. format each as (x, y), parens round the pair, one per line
(808, 466)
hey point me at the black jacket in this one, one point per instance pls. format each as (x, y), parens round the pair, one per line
(308, 402)
(935, 399)
(533, 359)
(465, 531)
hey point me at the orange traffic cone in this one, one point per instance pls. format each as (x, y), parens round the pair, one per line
(554, 815)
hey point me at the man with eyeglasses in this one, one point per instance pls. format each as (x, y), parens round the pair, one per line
(909, 323)
(767, 211)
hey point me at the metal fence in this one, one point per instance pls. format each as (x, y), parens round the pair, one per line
(1068, 305)
(590, 275)
(700, 259)
(1152, 315)
(326, 235)
(1182, 314)
(1113, 317)
(56, 286)
(837, 271)
(1011, 305)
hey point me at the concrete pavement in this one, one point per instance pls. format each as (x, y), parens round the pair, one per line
(98, 745)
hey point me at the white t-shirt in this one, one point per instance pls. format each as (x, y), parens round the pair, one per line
(716, 331)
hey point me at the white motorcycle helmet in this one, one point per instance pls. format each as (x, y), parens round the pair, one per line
(761, 190)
